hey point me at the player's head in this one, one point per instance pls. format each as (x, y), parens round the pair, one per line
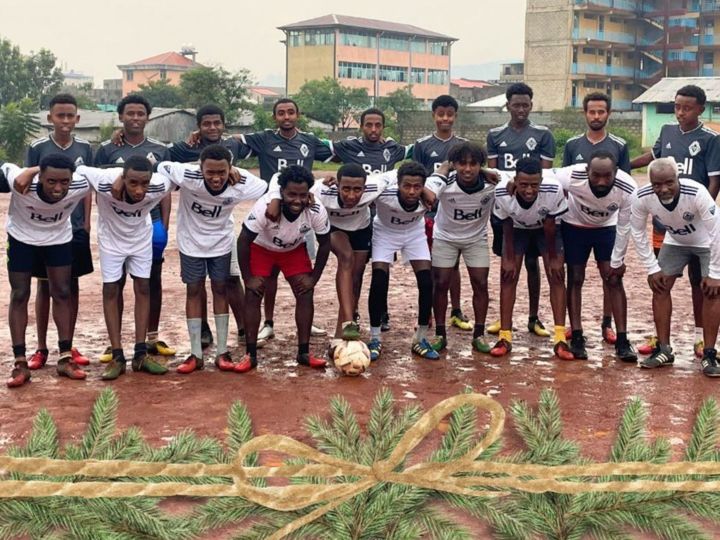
(56, 172)
(601, 169)
(663, 174)
(286, 113)
(597, 110)
(134, 111)
(215, 163)
(689, 105)
(211, 122)
(467, 159)
(528, 176)
(137, 171)
(351, 179)
(295, 183)
(519, 101)
(411, 181)
(63, 113)
(372, 124)
(444, 111)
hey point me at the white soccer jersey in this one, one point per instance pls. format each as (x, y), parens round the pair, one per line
(124, 228)
(390, 214)
(461, 216)
(694, 221)
(550, 202)
(205, 225)
(36, 222)
(285, 235)
(355, 218)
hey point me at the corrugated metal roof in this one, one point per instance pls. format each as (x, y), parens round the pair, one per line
(665, 90)
(498, 101)
(365, 24)
(90, 119)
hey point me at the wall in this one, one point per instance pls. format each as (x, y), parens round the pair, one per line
(145, 76)
(652, 121)
(308, 64)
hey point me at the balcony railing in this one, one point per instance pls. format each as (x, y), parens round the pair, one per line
(711, 6)
(682, 22)
(627, 5)
(707, 72)
(709, 39)
(601, 69)
(612, 37)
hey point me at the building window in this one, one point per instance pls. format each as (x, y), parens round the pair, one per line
(319, 37)
(437, 76)
(358, 39)
(418, 46)
(394, 43)
(588, 50)
(665, 108)
(393, 73)
(163, 74)
(356, 70)
(129, 75)
(439, 48)
(417, 76)
(294, 38)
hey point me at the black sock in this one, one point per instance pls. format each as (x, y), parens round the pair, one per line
(532, 319)
(377, 298)
(19, 350)
(140, 349)
(269, 322)
(425, 296)
(303, 348)
(577, 334)
(44, 351)
(251, 349)
(65, 345)
(607, 321)
(455, 312)
(118, 353)
(241, 331)
(622, 338)
(441, 331)
(478, 330)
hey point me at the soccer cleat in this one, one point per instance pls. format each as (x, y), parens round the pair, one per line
(260, 343)
(266, 333)
(439, 343)
(206, 336)
(479, 344)
(461, 322)
(375, 346)
(698, 348)
(562, 351)
(577, 347)
(19, 376)
(224, 362)
(114, 369)
(247, 363)
(106, 356)
(608, 335)
(385, 323)
(568, 333)
(68, 368)
(538, 328)
(146, 363)
(661, 356)
(190, 364)
(709, 363)
(351, 331)
(625, 352)
(161, 348)
(494, 328)
(501, 348)
(424, 349)
(310, 360)
(37, 360)
(648, 347)
(316, 331)
(79, 359)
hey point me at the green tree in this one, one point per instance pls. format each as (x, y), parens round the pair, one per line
(162, 94)
(45, 78)
(18, 125)
(35, 76)
(203, 85)
(328, 101)
(262, 118)
(401, 99)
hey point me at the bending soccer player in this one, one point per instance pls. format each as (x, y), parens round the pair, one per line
(205, 233)
(125, 234)
(40, 234)
(690, 217)
(264, 246)
(529, 217)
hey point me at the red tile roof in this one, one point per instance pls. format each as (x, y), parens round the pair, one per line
(166, 59)
(470, 83)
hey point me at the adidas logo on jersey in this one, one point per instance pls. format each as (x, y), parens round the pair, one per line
(668, 145)
(579, 157)
(503, 144)
(277, 149)
(361, 154)
(433, 154)
(79, 161)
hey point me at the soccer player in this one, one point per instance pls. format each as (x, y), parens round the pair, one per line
(465, 200)
(596, 107)
(134, 111)
(597, 220)
(687, 211)
(125, 242)
(696, 150)
(205, 232)
(40, 234)
(529, 216)
(506, 144)
(63, 115)
(399, 226)
(264, 245)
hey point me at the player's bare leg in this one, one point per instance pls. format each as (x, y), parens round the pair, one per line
(442, 278)
(558, 303)
(533, 283)
(17, 319)
(304, 312)
(42, 313)
(156, 346)
(377, 305)
(576, 280)
(360, 260)
(267, 331)
(606, 327)
(207, 337)
(481, 299)
(618, 298)
(236, 299)
(457, 318)
(340, 246)
(193, 313)
(222, 318)
(662, 354)
(711, 319)
(59, 278)
(698, 298)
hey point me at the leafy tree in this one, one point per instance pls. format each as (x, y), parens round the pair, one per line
(18, 125)
(203, 85)
(35, 76)
(45, 78)
(262, 118)
(328, 101)
(401, 99)
(162, 94)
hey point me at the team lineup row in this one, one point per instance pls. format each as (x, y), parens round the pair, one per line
(593, 202)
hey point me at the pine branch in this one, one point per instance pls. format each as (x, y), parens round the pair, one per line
(101, 427)
(549, 414)
(704, 436)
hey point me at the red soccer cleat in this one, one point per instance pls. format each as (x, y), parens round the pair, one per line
(19, 376)
(648, 347)
(501, 348)
(568, 333)
(247, 363)
(191, 363)
(224, 362)
(311, 361)
(608, 335)
(68, 368)
(562, 351)
(79, 359)
(37, 360)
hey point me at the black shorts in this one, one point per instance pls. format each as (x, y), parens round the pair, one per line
(22, 257)
(497, 245)
(360, 240)
(580, 241)
(526, 240)
(82, 263)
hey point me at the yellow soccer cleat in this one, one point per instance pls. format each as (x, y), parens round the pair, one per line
(161, 348)
(494, 328)
(106, 356)
(537, 328)
(460, 322)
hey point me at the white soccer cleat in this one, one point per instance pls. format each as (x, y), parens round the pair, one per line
(266, 332)
(317, 332)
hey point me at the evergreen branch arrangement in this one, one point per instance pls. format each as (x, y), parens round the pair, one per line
(387, 510)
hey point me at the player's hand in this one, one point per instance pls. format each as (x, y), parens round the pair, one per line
(329, 181)
(616, 274)
(444, 168)
(311, 198)
(508, 270)
(118, 189)
(428, 199)
(24, 179)
(302, 284)
(194, 138)
(255, 285)
(510, 186)
(557, 269)
(118, 137)
(235, 177)
(657, 282)
(710, 287)
(492, 176)
(272, 212)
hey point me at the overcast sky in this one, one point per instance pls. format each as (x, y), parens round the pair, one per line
(93, 37)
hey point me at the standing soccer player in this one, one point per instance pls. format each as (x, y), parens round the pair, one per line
(696, 150)
(264, 246)
(687, 211)
(506, 144)
(40, 234)
(63, 115)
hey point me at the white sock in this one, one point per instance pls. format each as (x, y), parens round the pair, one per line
(375, 333)
(698, 334)
(195, 331)
(421, 332)
(221, 331)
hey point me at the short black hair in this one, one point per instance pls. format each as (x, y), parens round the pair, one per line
(285, 100)
(602, 154)
(207, 110)
(216, 151)
(137, 163)
(518, 89)
(372, 110)
(693, 91)
(134, 98)
(353, 170)
(444, 101)
(465, 150)
(528, 165)
(57, 161)
(411, 168)
(58, 99)
(297, 174)
(596, 96)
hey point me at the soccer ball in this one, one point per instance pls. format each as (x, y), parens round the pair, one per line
(352, 357)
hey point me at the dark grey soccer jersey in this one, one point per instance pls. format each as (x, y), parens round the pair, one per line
(275, 152)
(579, 149)
(79, 151)
(431, 151)
(697, 152)
(375, 158)
(4, 186)
(507, 145)
(182, 152)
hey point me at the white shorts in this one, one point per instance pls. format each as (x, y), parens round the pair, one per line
(413, 245)
(113, 266)
(445, 254)
(234, 264)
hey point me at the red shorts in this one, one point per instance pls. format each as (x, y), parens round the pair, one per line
(290, 263)
(429, 224)
(657, 239)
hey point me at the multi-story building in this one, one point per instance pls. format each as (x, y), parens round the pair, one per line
(366, 53)
(167, 66)
(620, 47)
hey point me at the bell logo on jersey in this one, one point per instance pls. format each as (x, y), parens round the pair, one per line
(211, 212)
(685, 231)
(593, 213)
(386, 154)
(510, 162)
(685, 167)
(283, 163)
(304, 150)
(151, 158)
(279, 243)
(123, 213)
(368, 169)
(688, 216)
(613, 207)
(531, 143)
(46, 219)
(460, 215)
(399, 221)
(694, 148)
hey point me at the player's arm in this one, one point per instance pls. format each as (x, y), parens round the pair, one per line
(492, 150)
(166, 210)
(556, 269)
(321, 226)
(87, 208)
(508, 269)
(638, 229)
(20, 179)
(712, 161)
(645, 159)
(567, 155)
(710, 219)
(622, 237)
(547, 150)
(324, 151)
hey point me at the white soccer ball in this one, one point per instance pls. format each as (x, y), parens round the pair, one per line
(352, 357)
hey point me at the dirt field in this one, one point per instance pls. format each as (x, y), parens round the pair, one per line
(280, 394)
